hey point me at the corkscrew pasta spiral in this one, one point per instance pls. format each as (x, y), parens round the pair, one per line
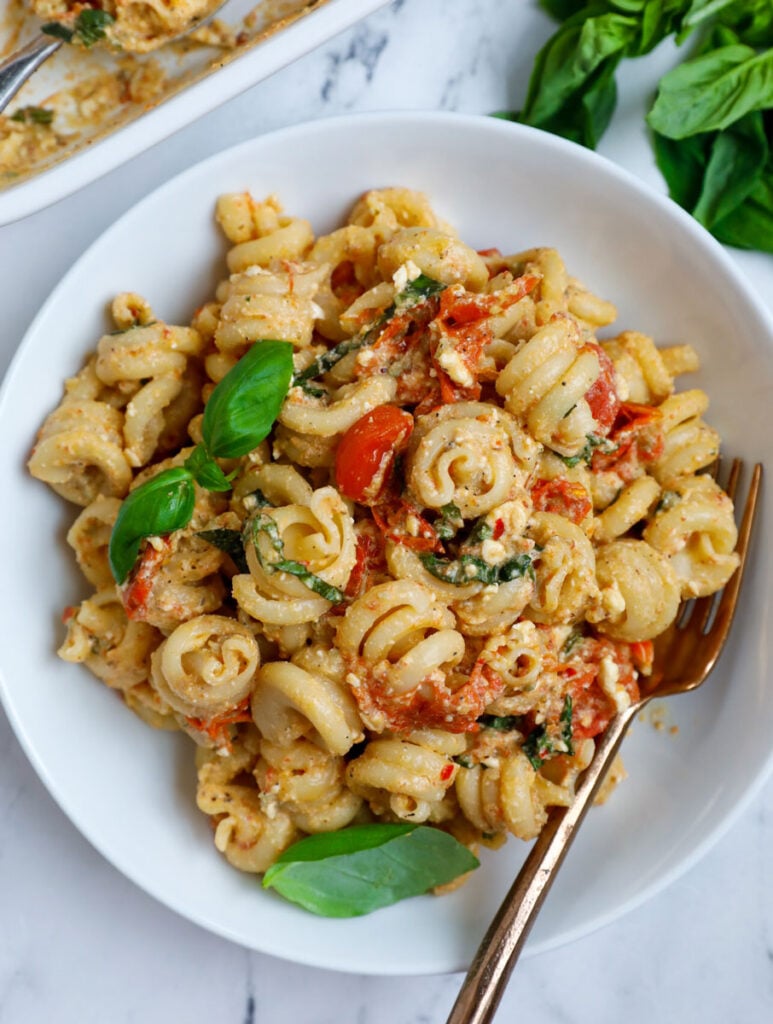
(434, 579)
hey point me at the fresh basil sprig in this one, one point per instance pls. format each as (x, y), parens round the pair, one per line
(159, 506)
(238, 416)
(711, 120)
(414, 293)
(365, 867)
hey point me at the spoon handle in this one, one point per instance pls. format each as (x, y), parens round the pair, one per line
(497, 954)
(16, 69)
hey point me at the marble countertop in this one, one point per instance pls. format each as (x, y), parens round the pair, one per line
(80, 943)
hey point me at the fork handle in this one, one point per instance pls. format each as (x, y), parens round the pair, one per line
(497, 954)
(15, 71)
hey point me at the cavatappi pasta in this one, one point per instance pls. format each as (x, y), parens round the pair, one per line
(446, 565)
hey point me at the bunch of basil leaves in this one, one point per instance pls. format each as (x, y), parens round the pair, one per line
(712, 119)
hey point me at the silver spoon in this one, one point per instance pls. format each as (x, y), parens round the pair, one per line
(16, 69)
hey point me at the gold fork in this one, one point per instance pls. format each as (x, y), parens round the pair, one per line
(684, 657)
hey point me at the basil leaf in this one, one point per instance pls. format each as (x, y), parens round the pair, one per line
(504, 723)
(414, 293)
(569, 59)
(469, 568)
(365, 867)
(561, 10)
(712, 91)
(157, 507)
(33, 115)
(230, 541)
(750, 225)
(449, 522)
(206, 471)
(57, 30)
(683, 163)
(263, 523)
(314, 583)
(738, 156)
(243, 407)
(90, 25)
(88, 28)
(540, 745)
(593, 442)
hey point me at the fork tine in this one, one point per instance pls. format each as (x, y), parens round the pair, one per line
(729, 597)
(701, 612)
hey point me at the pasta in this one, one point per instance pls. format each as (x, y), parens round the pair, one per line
(432, 580)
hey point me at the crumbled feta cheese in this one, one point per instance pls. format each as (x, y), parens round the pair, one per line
(365, 356)
(492, 551)
(407, 272)
(612, 601)
(456, 368)
(609, 681)
(412, 525)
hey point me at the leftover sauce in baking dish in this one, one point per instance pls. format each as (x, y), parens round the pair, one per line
(118, 63)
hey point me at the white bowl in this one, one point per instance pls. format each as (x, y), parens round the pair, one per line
(130, 790)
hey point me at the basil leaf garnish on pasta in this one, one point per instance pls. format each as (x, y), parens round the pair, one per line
(449, 522)
(469, 568)
(414, 293)
(363, 868)
(263, 523)
(157, 507)
(503, 723)
(243, 407)
(206, 471)
(229, 541)
(593, 441)
(540, 744)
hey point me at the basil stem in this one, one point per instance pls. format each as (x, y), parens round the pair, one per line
(245, 404)
(206, 471)
(157, 507)
(362, 868)
(414, 293)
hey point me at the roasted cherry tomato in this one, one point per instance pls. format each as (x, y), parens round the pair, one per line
(563, 497)
(366, 453)
(601, 396)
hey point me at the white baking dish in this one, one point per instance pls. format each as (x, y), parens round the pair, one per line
(201, 80)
